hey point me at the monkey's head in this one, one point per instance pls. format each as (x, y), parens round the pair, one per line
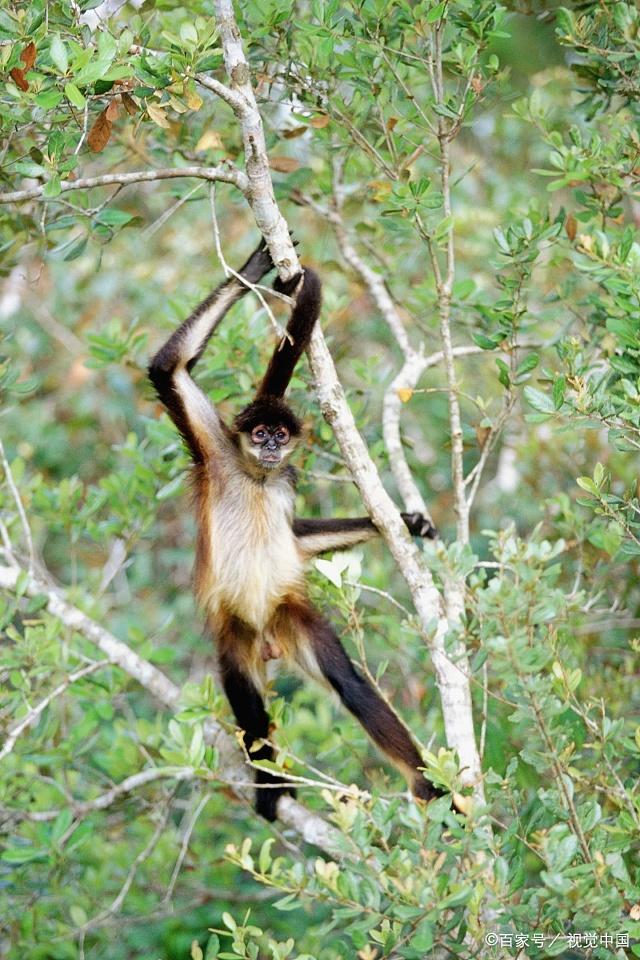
(268, 433)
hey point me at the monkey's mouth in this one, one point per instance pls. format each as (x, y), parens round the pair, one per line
(270, 459)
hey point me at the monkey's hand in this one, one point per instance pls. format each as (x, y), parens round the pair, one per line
(419, 526)
(258, 264)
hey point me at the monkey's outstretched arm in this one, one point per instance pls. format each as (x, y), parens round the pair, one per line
(170, 369)
(317, 536)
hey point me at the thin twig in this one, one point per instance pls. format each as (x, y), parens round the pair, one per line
(229, 271)
(144, 854)
(85, 128)
(34, 712)
(184, 846)
(19, 506)
(162, 219)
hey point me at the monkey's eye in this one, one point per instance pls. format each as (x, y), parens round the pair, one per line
(282, 435)
(258, 435)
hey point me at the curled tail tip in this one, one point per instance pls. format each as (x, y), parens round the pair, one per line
(310, 286)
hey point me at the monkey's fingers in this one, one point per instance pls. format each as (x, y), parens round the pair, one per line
(258, 264)
(419, 526)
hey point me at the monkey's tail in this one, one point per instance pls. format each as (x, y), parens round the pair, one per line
(300, 327)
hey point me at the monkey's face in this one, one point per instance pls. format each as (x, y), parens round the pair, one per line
(268, 445)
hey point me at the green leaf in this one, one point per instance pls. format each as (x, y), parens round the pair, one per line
(19, 855)
(436, 12)
(587, 484)
(528, 364)
(559, 386)
(422, 940)
(563, 852)
(556, 882)
(74, 96)
(49, 99)
(229, 922)
(213, 947)
(78, 915)
(265, 858)
(503, 373)
(52, 188)
(61, 824)
(291, 902)
(487, 343)
(58, 53)
(538, 400)
(188, 33)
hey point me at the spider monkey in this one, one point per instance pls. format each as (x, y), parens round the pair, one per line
(251, 551)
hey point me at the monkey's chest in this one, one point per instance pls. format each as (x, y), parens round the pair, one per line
(254, 561)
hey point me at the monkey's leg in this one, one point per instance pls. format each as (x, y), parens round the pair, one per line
(362, 700)
(248, 707)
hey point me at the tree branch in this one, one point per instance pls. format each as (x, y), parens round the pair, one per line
(82, 807)
(225, 173)
(235, 100)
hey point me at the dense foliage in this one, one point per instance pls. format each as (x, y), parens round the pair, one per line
(544, 160)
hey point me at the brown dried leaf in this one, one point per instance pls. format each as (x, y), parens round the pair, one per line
(18, 77)
(158, 115)
(176, 104)
(100, 132)
(284, 164)
(322, 120)
(295, 132)
(129, 104)
(194, 100)
(571, 226)
(209, 140)
(28, 55)
(380, 189)
(482, 435)
(112, 111)
(391, 123)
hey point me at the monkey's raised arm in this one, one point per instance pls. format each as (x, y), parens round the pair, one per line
(300, 327)
(316, 536)
(169, 371)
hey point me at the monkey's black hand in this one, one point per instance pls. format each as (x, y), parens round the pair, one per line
(419, 526)
(258, 264)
